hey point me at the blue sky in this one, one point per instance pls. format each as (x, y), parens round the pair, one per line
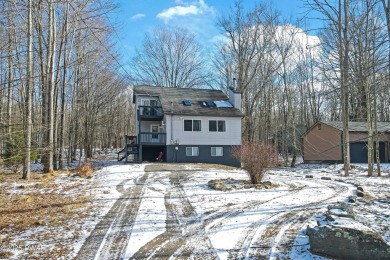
(137, 17)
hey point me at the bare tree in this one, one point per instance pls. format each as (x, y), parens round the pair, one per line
(249, 48)
(170, 58)
(337, 19)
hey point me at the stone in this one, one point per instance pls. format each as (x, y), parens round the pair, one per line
(326, 178)
(340, 210)
(359, 194)
(267, 184)
(352, 199)
(309, 176)
(360, 188)
(219, 186)
(347, 242)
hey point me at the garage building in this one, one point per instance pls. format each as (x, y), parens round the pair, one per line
(323, 142)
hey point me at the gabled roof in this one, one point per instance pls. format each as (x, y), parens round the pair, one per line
(172, 101)
(353, 126)
(357, 126)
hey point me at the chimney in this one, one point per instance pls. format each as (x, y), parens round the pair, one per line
(235, 96)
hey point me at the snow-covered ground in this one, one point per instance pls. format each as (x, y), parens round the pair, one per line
(176, 213)
(242, 223)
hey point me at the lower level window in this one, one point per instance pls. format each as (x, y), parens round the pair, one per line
(192, 151)
(216, 151)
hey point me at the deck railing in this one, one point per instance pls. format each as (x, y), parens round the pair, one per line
(152, 138)
(150, 112)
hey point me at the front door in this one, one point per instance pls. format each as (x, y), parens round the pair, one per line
(154, 129)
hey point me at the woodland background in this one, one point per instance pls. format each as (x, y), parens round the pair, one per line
(64, 89)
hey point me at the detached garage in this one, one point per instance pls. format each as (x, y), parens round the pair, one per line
(322, 143)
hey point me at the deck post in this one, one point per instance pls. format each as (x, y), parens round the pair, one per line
(140, 153)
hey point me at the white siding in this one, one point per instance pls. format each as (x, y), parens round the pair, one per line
(232, 135)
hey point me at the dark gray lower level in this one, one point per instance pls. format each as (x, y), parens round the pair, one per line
(180, 155)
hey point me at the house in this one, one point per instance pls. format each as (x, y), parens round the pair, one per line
(323, 142)
(187, 125)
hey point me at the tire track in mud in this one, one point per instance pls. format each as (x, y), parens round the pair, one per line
(109, 238)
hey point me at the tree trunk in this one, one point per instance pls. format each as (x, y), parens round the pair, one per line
(49, 131)
(344, 70)
(28, 99)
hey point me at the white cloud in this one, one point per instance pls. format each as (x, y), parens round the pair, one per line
(183, 9)
(169, 13)
(137, 17)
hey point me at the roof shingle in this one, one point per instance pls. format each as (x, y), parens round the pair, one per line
(172, 101)
(358, 126)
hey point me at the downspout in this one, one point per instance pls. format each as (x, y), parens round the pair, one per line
(139, 137)
(172, 126)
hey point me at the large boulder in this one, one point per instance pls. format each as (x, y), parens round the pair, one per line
(346, 238)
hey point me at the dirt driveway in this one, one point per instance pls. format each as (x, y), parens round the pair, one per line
(168, 211)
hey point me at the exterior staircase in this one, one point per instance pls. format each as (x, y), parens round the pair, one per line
(130, 153)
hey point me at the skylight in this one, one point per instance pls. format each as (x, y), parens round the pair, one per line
(210, 104)
(223, 104)
(187, 103)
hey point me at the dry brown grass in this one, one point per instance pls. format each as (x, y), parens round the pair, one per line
(184, 166)
(40, 203)
(85, 170)
(24, 211)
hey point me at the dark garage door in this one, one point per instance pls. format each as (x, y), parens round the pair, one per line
(358, 152)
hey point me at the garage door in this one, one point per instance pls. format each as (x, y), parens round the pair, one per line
(358, 152)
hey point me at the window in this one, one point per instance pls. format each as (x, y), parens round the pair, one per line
(216, 151)
(192, 151)
(192, 125)
(150, 102)
(217, 126)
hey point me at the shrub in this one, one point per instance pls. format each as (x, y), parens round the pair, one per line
(255, 158)
(85, 170)
(14, 152)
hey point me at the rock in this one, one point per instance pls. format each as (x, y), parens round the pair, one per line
(350, 240)
(326, 178)
(360, 188)
(309, 176)
(339, 180)
(359, 194)
(352, 199)
(219, 186)
(340, 210)
(247, 186)
(267, 184)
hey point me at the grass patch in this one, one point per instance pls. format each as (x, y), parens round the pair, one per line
(85, 170)
(156, 167)
(40, 210)
(24, 211)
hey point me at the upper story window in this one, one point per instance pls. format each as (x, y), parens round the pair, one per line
(217, 126)
(150, 102)
(192, 125)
